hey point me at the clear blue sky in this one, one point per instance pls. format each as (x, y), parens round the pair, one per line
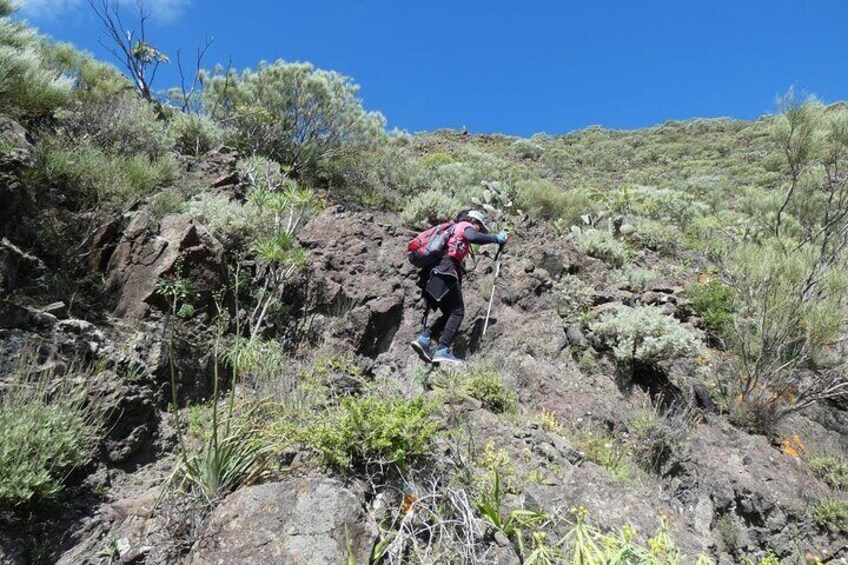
(516, 67)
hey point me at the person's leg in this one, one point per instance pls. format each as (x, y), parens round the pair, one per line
(454, 311)
(438, 326)
(422, 345)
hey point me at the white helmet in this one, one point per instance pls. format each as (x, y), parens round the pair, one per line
(476, 215)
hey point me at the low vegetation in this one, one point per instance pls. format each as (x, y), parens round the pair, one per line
(50, 427)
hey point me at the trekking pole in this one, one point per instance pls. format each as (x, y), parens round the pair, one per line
(492, 295)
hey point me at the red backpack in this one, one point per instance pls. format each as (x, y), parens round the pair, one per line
(428, 247)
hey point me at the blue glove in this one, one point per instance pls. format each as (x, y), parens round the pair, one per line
(502, 237)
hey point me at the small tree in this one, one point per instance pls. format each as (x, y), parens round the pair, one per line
(792, 285)
(130, 47)
(292, 113)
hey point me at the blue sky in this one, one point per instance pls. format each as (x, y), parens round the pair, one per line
(515, 67)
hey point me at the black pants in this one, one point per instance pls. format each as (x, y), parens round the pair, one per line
(444, 293)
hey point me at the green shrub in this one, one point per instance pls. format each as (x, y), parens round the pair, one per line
(168, 201)
(788, 321)
(123, 124)
(527, 149)
(370, 430)
(545, 199)
(430, 208)
(659, 236)
(435, 160)
(834, 470)
(832, 514)
(389, 174)
(292, 113)
(635, 277)
(645, 334)
(729, 532)
(602, 245)
(714, 303)
(93, 81)
(667, 204)
(486, 384)
(89, 174)
(29, 87)
(48, 427)
(143, 176)
(195, 134)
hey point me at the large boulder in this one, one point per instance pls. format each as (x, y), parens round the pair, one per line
(147, 251)
(297, 521)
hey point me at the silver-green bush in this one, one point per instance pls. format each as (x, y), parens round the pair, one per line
(48, 427)
(429, 208)
(602, 245)
(28, 86)
(645, 334)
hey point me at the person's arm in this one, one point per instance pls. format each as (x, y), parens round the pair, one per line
(474, 236)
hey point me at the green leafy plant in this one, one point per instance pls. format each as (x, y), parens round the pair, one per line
(605, 450)
(513, 523)
(832, 514)
(834, 470)
(487, 385)
(715, 303)
(174, 288)
(368, 430)
(586, 545)
(231, 457)
(483, 382)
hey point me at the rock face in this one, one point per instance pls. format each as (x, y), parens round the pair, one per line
(297, 521)
(12, 192)
(359, 279)
(143, 255)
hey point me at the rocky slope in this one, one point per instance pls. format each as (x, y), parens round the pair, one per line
(725, 493)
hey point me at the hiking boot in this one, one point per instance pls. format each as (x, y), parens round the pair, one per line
(443, 356)
(421, 345)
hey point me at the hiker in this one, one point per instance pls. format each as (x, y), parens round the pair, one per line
(443, 290)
